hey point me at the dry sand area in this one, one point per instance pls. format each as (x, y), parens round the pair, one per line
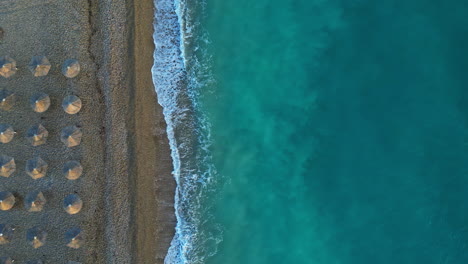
(127, 188)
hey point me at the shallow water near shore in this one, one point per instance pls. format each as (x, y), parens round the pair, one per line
(325, 132)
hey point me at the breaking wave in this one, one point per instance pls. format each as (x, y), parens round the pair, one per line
(181, 70)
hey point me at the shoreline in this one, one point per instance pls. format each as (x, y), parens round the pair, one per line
(154, 179)
(150, 204)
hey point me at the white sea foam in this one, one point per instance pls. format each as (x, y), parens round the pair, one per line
(178, 76)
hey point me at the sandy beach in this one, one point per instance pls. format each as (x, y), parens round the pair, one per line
(127, 187)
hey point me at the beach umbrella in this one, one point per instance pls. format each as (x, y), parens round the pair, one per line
(6, 234)
(72, 170)
(36, 168)
(40, 102)
(6, 260)
(34, 201)
(7, 66)
(71, 136)
(7, 99)
(71, 68)
(36, 237)
(6, 133)
(37, 135)
(7, 200)
(72, 204)
(7, 166)
(74, 238)
(71, 104)
(39, 66)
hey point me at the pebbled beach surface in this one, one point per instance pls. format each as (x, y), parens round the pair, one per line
(126, 187)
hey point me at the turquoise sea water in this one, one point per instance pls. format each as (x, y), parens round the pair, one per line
(330, 132)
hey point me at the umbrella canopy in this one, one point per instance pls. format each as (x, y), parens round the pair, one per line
(37, 135)
(7, 166)
(6, 133)
(6, 234)
(71, 68)
(40, 102)
(72, 204)
(74, 238)
(36, 237)
(71, 104)
(39, 66)
(71, 136)
(6, 260)
(7, 100)
(7, 66)
(7, 200)
(36, 168)
(72, 170)
(34, 201)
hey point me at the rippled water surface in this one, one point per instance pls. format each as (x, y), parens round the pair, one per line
(329, 132)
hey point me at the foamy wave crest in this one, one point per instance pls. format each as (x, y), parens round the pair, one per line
(178, 76)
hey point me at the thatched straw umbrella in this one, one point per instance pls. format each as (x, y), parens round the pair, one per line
(71, 136)
(7, 99)
(6, 234)
(37, 135)
(39, 66)
(72, 170)
(71, 104)
(36, 168)
(36, 237)
(74, 238)
(72, 204)
(34, 201)
(40, 102)
(7, 166)
(71, 68)
(7, 66)
(7, 201)
(6, 133)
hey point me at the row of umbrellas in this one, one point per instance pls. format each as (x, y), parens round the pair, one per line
(36, 236)
(37, 135)
(39, 66)
(37, 168)
(35, 202)
(40, 102)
